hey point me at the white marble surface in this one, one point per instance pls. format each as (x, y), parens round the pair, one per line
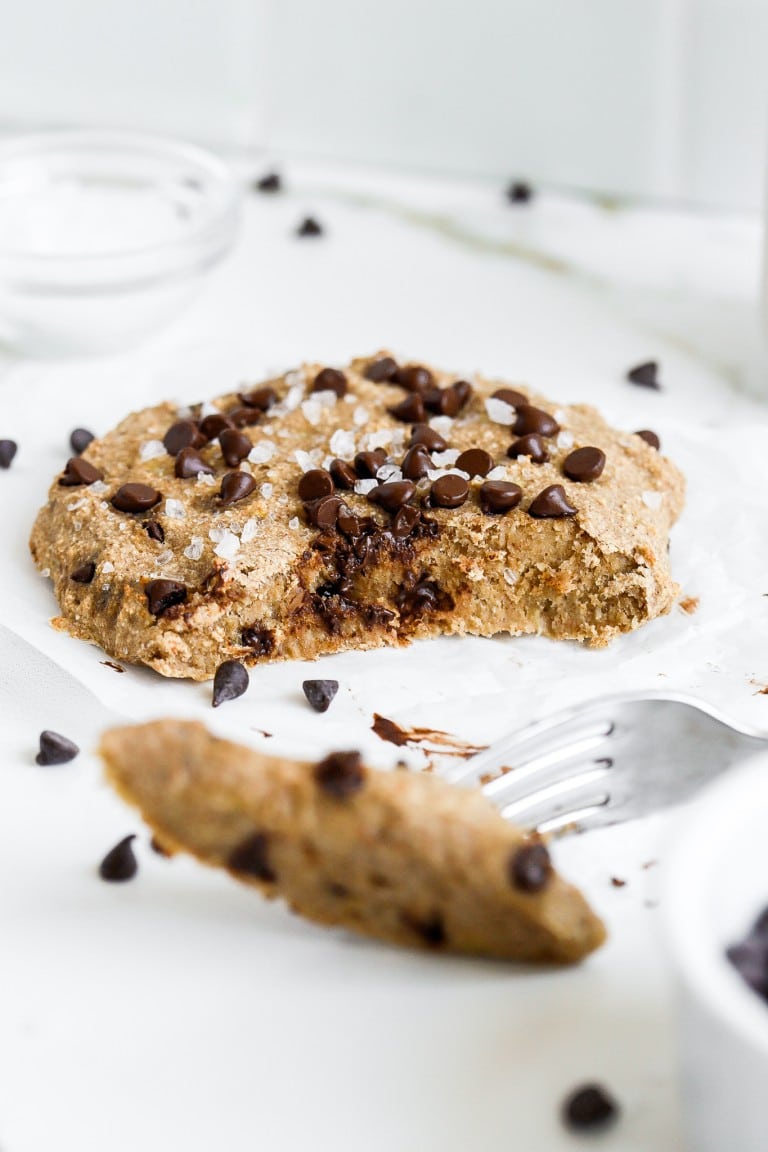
(181, 1008)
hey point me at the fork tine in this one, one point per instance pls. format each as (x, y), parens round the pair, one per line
(587, 789)
(559, 763)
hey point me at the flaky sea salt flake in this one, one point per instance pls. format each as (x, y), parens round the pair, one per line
(499, 411)
(174, 509)
(194, 549)
(262, 452)
(652, 500)
(151, 449)
(342, 444)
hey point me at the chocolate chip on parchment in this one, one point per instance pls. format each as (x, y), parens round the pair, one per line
(531, 445)
(55, 749)
(341, 774)
(584, 465)
(645, 374)
(230, 681)
(213, 425)
(344, 475)
(530, 867)
(380, 370)
(235, 446)
(449, 491)
(84, 573)
(475, 461)
(315, 484)
(8, 449)
(155, 531)
(79, 439)
(415, 378)
(330, 380)
(392, 495)
(649, 437)
(324, 513)
(367, 464)
(309, 227)
(79, 471)
(428, 437)
(532, 419)
(519, 192)
(269, 182)
(120, 862)
(588, 1108)
(135, 498)
(182, 434)
(320, 693)
(411, 410)
(262, 398)
(235, 486)
(551, 503)
(416, 463)
(190, 463)
(510, 396)
(404, 521)
(497, 496)
(164, 594)
(251, 858)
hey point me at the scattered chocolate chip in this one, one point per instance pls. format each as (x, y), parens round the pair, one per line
(251, 858)
(235, 486)
(510, 396)
(79, 439)
(76, 472)
(320, 693)
(650, 438)
(367, 464)
(55, 749)
(646, 375)
(84, 573)
(8, 449)
(404, 521)
(189, 463)
(235, 446)
(315, 484)
(617, 882)
(531, 445)
(341, 774)
(416, 463)
(411, 410)
(259, 639)
(380, 370)
(213, 425)
(463, 390)
(519, 192)
(442, 401)
(531, 419)
(229, 682)
(392, 495)
(243, 416)
(135, 498)
(551, 503)
(324, 513)
(262, 398)
(530, 867)
(309, 227)
(344, 475)
(415, 378)
(120, 862)
(164, 594)
(428, 437)
(182, 434)
(155, 531)
(475, 461)
(589, 1107)
(449, 491)
(584, 465)
(498, 496)
(270, 182)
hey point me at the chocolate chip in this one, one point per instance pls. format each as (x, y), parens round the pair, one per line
(309, 227)
(261, 640)
(270, 182)
(588, 1108)
(315, 484)
(235, 446)
(442, 401)
(415, 378)
(510, 396)
(330, 380)
(416, 463)
(584, 465)
(84, 573)
(519, 192)
(430, 930)
(498, 496)
(475, 461)
(531, 419)
(55, 749)
(155, 531)
(120, 862)
(323, 513)
(243, 416)
(463, 390)
(262, 398)
(8, 449)
(79, 439)
(190, 463)
(551, 503)
(645, 374)
(235, 486)
(423, 596)
(341, 774)
(431, 439)
(530, 867)
(380, 370)
(78, 471)
(449, 491)
(320, 693)
(348, 524)
(182, 434)
(229, 682)
(650, 438)
(251, 858)
(411, 410)
(213, 425)
(531, 445)
(367, 464)
(392, 495)
(344, 475)
(164, 594)
(404, 521)
(135, 498)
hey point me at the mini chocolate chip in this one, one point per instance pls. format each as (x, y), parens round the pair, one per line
(8, 449)
(242, 416)
(510, 396)
(530, 867)
(229, 682)
(498, 496)
(78, 471)
(262, 398)
(380, 370)
(235, 486)
(320, 693)
(251, 857)
(463, 390)
(650, 438)
(584, 465)
(315, 484)
(442, 401)
(429, 437)
(475, 461)
(449, 491)
(235, 446)
(120, 862)
(182, 434)
(330, 380)
(531, 445)
(84, 573)
(367, 464)
(309, 227)
(164, 594)
(190, 463)
(55, 749)
(416, 463)
(392, 495)
(645, 374)
(415, 378)
(411, 410)
(324, 513)
(531, 419)
(341, 774)
(270, 182)
(589, 1107)
(79, 439)
(155, 531)
(344, 475)
(404, 521)
(213, 425)
(135, 498)
(551, 503)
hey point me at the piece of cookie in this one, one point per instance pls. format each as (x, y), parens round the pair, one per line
(329, 510)
(401, 856)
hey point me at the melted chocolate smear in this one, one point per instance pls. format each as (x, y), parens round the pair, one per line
(111, 664)
(427, 739)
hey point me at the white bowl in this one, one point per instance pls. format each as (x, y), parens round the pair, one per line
(716, 886)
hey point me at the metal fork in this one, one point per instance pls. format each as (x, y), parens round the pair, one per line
(608, 760)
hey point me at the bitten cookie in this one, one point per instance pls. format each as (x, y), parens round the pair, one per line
(329, 510)
(400, 856)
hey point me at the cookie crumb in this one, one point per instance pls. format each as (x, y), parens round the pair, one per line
(689, 604)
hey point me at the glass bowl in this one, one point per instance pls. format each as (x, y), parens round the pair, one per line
(104, 236)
